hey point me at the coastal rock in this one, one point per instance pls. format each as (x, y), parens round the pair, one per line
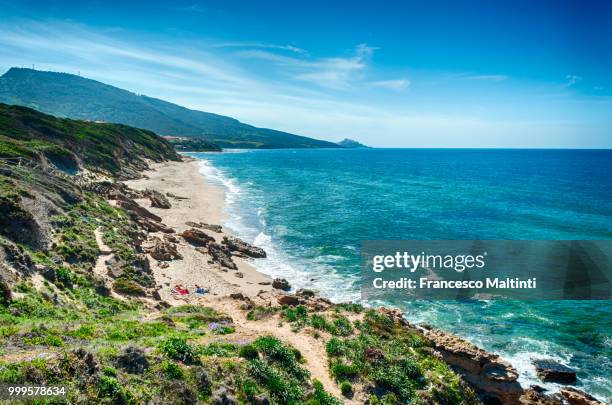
(196, 237)
(290, 300)
(203, 225)
(115, 267)
(574, 396)
(535, 396)
(493, 378)
(153, 226)
(134, 209)
(302, 292)
(552, 371)
(281, 284)
(158, 200)
(221, 255)
(238, 245)
(163, 251)
(176, 197)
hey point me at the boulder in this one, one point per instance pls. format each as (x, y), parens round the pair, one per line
(203, 225)
(136, 210)
(158, 200)
(162, 250)
(176, 197)
(290, 300)
(574, 396)
(133, 360)
(552, 371)
(238, 245)
(302, 292)
(493, 378)
(221, 255)
(535, 395)
(196, 237)
(281, 284)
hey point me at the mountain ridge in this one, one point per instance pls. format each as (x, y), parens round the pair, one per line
(70, 96)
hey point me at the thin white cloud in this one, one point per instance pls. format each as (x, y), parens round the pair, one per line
(571, 80)
(260, 45)
(397, 84)
(330, 72)
(195, 8)
(489, 78)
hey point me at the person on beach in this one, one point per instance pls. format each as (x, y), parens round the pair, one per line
(200, 290)
(180, 290)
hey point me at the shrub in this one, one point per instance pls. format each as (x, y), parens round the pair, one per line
(334, 347)
(248, 352)
(346, 388)
(172, 370)
(178, 349)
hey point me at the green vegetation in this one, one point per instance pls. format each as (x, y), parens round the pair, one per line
(107, 147)
(71, 96)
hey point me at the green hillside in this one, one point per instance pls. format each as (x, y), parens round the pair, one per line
(69, 144)
(75, 97)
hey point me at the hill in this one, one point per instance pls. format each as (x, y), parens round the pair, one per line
(75, 97)
(71, 145)
(351, 143)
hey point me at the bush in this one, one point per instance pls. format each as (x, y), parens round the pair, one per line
(334, 347)
(172, 370)
(248, 352)
(346, 388)
(178, 349)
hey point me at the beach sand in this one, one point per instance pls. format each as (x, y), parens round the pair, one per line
(203, 203)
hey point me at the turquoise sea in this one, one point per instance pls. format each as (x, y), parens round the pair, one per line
(311, 208)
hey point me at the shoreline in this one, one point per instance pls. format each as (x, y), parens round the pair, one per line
(199, 201)
(202, 201)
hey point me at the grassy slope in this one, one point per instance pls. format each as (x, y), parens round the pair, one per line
(108, 147)
(76, 97)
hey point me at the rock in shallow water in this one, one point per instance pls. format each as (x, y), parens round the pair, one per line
(281, 284)
(552, 371)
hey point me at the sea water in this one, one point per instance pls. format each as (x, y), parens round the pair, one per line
(309, 209)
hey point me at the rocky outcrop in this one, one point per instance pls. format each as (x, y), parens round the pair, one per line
(281, 284)
(221, 254)
(552, 371)
(163, 250)
(134, 209)
(238, 245)
(493, 378)
(196, 237)
(203, 225)
(158, 200)
(574, 396)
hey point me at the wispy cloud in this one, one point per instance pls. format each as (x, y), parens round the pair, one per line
(194, 8)
(260, 45)
(571, 80)
(330, 72)
(397, 84)
(488, 78)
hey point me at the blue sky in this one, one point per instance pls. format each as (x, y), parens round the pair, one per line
(407, 74)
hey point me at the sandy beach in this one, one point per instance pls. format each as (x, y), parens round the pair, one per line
(195, 201)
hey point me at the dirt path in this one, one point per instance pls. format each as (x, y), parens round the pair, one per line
(313, 350)
(100, 269)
